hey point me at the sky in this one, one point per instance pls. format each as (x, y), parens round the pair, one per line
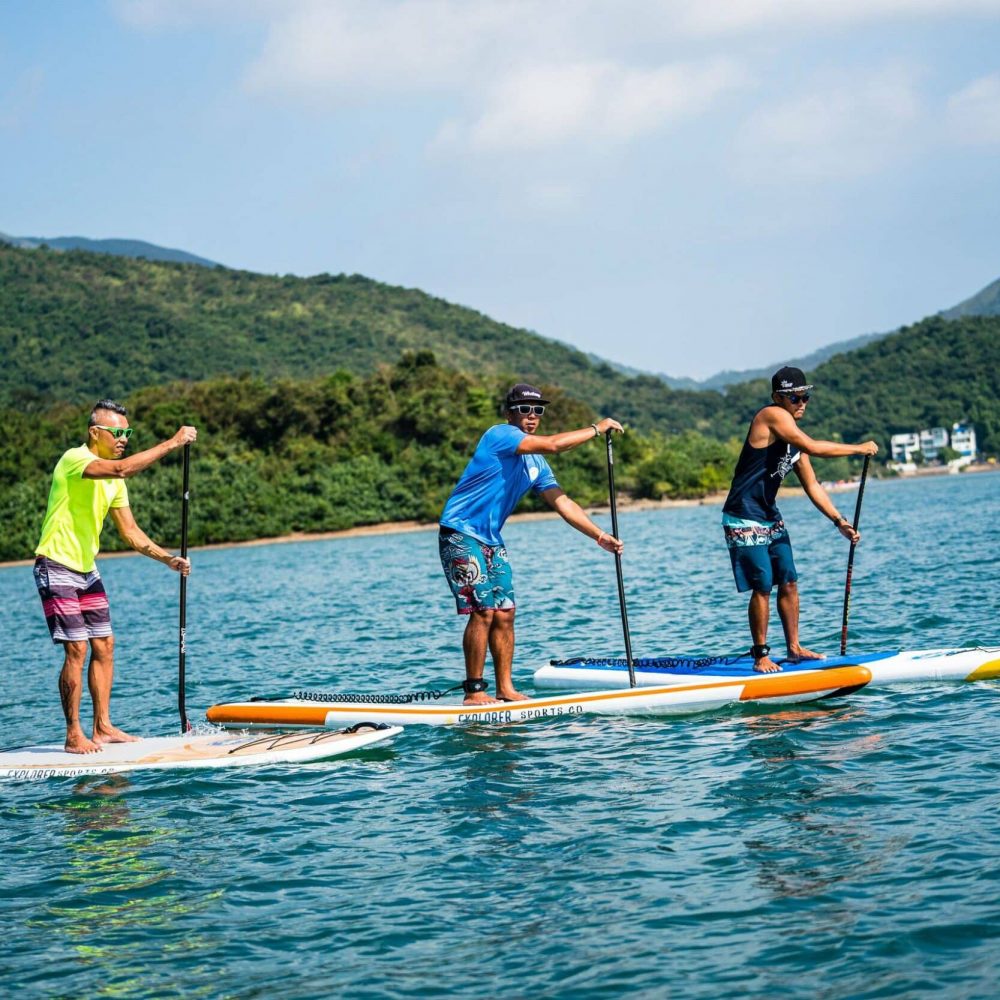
(681, 187)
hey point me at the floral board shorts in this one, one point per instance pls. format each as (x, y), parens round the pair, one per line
(479, 575)
(75, 604)
(761, 553)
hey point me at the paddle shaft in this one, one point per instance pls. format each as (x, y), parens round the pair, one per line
(850, 558)
(618, 560)
(182, 624)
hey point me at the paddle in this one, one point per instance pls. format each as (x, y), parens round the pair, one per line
(182, 626)
(850, 558)
(618, 561)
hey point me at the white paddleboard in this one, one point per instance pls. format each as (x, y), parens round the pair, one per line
(196, 750)
(292, 713)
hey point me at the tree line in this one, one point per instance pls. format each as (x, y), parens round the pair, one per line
(285, 455)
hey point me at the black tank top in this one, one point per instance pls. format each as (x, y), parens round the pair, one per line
(759, 472)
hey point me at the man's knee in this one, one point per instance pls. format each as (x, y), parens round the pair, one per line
(75, 653)
(103, 647)
(786, 589)
(503, 620)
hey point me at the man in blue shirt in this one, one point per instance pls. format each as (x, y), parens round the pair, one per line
(508, 462)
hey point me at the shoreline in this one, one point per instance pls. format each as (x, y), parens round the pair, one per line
(625, 505)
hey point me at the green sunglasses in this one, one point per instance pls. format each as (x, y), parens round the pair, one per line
(115, 432)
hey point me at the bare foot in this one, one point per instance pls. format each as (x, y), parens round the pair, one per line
(112, 734)
(801, 653)
(480, 698)
(512, 695)
(78, 743)
(766, 666)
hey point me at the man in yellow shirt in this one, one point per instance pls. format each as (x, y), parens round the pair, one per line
(87, 483)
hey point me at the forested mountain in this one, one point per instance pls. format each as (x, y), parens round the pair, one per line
(116, 247)
(77, 325)
(74, 326)
(332, 401)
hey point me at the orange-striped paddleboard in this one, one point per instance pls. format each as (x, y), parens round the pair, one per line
(295, 713)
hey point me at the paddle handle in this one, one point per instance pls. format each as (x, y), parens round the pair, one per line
(850, 558)
(182, 621)
(618, 560)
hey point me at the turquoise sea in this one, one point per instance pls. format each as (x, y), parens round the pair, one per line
(842, 849)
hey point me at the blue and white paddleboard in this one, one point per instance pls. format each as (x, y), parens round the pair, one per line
(894, 667)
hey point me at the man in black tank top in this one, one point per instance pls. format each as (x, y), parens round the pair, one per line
(759, 546)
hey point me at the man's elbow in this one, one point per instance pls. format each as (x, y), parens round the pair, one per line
(118, 470)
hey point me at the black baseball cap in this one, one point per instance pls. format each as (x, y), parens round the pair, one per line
(789, 379)
(524, 393)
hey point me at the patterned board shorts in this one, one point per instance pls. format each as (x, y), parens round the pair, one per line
(75, 604)
(479, 575)
(761, 555)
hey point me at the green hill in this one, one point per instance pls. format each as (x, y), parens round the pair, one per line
(75, 326)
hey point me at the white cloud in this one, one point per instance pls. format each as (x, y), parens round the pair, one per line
(522, 74)
(543, 106)
(338, 50)
(721, 17)
(527, 75)
(974, 112)
(841, 129)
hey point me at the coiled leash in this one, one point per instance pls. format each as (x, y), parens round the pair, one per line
(468, 686)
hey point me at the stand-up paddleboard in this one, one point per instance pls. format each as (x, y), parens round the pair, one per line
(895, 667)
(190, 750)
(313, 710)
(194, 750)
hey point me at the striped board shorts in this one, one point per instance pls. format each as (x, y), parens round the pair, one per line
(75, 604)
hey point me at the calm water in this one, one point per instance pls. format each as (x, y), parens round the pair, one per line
(843, 850)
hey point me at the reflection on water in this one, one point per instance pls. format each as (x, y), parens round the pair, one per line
(114, 881)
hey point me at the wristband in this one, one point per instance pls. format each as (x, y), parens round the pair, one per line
(597, 433)
(599, 537)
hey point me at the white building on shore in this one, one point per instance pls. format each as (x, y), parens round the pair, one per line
(963, 440)
(929, 442)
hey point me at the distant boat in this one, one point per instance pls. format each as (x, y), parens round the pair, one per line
(840, 485)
